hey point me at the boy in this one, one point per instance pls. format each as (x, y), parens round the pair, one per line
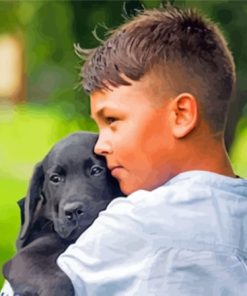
(160, 87)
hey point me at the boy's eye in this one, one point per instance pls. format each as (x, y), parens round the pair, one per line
(110, 120)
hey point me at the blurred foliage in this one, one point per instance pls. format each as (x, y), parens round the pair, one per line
(55, 103)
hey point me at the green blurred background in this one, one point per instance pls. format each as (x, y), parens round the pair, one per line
(40, 97)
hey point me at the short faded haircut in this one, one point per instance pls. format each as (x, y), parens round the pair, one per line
(181, 44)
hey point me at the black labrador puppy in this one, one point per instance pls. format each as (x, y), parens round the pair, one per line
(67, 191)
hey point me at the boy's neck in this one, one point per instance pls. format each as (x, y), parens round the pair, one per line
(209, 156)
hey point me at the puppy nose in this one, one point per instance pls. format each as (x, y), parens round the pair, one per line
(73, 211)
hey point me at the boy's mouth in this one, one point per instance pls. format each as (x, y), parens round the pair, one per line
(115, 170)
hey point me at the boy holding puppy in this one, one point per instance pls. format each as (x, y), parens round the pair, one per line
(160, 88)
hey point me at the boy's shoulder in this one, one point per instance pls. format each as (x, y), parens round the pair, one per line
(184, 187)
(185, 211)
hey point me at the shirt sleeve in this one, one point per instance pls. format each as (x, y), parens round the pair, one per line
(6, 289)
(110, 254)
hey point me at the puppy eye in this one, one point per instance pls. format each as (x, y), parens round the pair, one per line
(96, 170)
(55, 178)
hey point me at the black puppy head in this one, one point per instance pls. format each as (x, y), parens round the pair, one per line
(77, 184)
(70, 187)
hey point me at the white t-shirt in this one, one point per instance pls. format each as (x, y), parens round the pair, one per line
(187, 237)
(6, 290)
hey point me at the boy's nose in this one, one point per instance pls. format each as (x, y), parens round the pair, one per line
(102, 147)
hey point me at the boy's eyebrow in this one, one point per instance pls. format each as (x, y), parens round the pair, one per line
(99, 113)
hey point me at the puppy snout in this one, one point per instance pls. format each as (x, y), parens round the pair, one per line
(73, 211)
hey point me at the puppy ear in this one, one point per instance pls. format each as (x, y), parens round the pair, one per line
(21, 204)
(32, 200)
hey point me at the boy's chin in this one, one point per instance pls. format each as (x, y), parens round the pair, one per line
(129, 188)
(126, 188)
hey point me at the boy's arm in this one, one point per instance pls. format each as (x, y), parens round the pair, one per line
(108, 256)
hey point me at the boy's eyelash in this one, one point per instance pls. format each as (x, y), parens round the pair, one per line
(110, 119)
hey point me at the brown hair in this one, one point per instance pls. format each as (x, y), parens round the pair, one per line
(184, 46)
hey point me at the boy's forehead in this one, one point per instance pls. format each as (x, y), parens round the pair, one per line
(100, 100)
(127, 100)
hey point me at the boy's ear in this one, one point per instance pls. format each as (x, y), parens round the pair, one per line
(184, 115)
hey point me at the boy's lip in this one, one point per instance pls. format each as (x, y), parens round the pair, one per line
(114, 169)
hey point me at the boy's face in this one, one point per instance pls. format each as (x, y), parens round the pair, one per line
(134, 135)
